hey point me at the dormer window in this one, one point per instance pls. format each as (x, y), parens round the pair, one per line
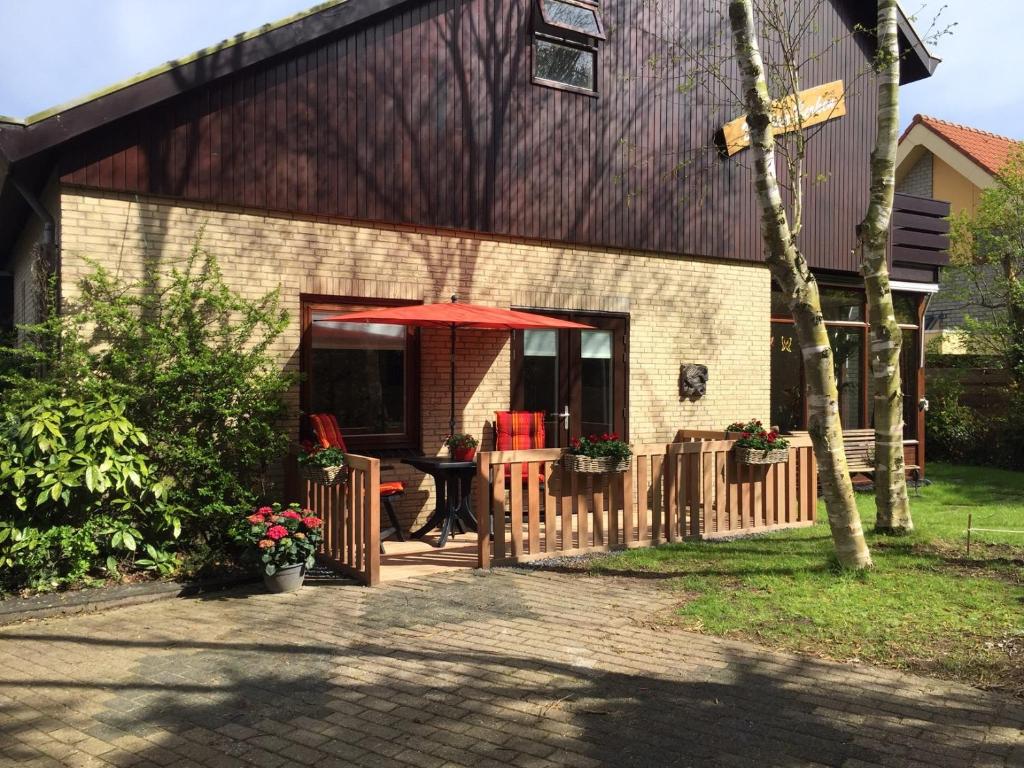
(565, 39)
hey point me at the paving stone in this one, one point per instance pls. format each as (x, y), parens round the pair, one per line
(513, 668)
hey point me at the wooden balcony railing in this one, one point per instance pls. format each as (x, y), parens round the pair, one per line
(351, 515)
(527, 507)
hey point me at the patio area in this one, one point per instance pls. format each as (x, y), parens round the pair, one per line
(510, 668)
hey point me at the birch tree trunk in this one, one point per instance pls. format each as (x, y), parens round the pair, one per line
(892, 506)
(790, 270)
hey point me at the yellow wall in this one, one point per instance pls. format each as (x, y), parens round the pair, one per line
(681, 309)
(949, 185)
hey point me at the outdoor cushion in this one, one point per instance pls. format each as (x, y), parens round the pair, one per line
(392, 487)
(328, 433)
(519, 431)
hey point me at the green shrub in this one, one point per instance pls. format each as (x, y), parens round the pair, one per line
(186, 359)
(954, 430)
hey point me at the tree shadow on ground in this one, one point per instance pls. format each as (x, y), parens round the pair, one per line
(376, 702)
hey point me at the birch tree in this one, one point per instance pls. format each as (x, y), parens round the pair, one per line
(791, 272)
(892, 505)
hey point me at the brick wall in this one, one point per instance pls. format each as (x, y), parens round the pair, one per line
(682, 310)
(918, 180)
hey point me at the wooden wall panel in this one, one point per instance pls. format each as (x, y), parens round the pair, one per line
(427, 116)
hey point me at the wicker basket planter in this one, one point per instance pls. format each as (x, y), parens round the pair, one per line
(757, 456)
(572, 462)
(326, 476)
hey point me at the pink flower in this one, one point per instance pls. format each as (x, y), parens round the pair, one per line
(266, 543)
(265, 511)
(312, 522)
(256, 519)
(291, 513)
(277, 532)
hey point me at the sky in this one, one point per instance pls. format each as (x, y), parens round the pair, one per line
(58, 50)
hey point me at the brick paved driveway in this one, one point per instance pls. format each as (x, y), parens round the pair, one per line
(507, 669)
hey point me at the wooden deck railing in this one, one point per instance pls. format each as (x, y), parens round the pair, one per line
(351, 515)
(671, 491)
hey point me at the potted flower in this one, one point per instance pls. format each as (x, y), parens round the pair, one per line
(757, 445)
(325, 466)
(461, 446)
(284, 544)
(597, 453)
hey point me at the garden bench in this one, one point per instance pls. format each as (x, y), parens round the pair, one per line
(860, 453)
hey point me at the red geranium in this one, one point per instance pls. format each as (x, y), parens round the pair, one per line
(312, 522)
(265, 544)
(292, 514)
(256, 519)
(277, 532)
(265, 511)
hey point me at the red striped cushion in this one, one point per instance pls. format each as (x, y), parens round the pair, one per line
(328, 433)
(392, 487)
(518, 430)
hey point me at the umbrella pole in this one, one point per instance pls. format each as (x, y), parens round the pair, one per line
(451, 418)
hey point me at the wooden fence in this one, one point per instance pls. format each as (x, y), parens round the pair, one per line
(351, 515)
(528, 507)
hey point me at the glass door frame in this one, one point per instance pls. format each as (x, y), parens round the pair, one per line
(569, 364)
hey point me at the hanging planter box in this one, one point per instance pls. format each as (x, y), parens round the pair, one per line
(759, 456)
(326, 476)
(587, 465)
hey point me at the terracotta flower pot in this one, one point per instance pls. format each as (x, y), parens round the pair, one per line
(287, 579)
(464, 454)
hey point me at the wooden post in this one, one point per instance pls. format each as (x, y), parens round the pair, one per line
(970, 517)
(483, 511)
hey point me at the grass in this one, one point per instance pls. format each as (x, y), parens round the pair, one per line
(925, 607)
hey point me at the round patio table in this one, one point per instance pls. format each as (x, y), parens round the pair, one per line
(454, 482)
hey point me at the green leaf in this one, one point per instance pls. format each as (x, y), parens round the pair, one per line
(129, 541)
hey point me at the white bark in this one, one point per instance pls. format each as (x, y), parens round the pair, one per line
(790, 270)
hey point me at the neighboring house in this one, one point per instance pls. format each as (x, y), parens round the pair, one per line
(378, 152)
(955, 163)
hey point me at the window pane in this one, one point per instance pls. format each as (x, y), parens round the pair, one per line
(842, 304)
(905, 306)
(780, 306)
(787, 398)
(540, 379)
(564, 64)
(596, 382)
(540, 343)
(568, 15)
(848, 347)
(358, 373)
(596, 345)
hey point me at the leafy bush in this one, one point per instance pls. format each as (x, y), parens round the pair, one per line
(178, 352)
(76, 487)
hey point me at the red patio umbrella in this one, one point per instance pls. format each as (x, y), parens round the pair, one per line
(453, 316)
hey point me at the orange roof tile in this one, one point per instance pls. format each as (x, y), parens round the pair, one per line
(988, 150)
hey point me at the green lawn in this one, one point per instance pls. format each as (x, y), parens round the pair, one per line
(925, 607)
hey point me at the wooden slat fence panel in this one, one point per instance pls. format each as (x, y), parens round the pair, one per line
(351, 515)
(688, 489)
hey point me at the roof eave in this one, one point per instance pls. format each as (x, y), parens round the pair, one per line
(921, 64)
(22, 139)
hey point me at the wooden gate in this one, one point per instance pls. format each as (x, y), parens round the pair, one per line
(351, 515)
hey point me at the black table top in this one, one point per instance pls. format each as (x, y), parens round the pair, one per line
(432, 464)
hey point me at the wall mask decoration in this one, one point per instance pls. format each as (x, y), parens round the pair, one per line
(693, 381)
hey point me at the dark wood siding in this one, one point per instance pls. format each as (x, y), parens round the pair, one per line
(427, 116)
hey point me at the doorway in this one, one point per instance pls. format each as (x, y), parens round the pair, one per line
(578, 378)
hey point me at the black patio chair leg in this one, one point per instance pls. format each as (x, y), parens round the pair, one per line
(389, 509)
